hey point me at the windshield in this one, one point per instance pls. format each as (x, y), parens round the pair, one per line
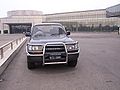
(45, 31)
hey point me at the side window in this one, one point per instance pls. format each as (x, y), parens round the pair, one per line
(0, 31)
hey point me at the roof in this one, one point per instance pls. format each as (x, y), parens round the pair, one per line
(74, 12)
(48, 24)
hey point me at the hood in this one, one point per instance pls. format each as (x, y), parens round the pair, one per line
(48, 40)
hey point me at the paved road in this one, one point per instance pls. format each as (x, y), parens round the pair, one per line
(98, 69)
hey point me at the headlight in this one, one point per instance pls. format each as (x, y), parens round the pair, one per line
(71, 47)
(35, 48)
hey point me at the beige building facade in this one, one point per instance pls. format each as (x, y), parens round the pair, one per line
(26, 18)
(85, 18)
(19, 18)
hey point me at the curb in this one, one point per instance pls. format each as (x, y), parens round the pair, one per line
(7, 62)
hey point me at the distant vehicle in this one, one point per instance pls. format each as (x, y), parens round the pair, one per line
(49, 44)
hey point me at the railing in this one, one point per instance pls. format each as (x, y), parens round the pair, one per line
(10, 45)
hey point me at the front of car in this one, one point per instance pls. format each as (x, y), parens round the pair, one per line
(50, 44)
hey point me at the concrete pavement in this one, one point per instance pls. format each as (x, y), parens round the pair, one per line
(98, 69)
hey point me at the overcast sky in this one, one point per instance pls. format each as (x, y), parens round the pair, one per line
(54, 6)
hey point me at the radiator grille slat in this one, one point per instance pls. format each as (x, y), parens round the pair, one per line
(55, 53)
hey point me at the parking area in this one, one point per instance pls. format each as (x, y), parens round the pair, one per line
(98, 68)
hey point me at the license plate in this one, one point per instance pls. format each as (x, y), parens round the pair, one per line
(55, 57)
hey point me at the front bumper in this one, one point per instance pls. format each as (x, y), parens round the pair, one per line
(47, 58)
(39, 59)
(72, 57)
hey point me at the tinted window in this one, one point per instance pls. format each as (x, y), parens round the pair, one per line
(47, 31)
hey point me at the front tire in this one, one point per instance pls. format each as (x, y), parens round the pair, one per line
(30, 65)
(72, 63)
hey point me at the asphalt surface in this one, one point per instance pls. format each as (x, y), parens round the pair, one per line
(98, 68)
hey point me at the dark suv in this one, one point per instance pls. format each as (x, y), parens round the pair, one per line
(49, 44)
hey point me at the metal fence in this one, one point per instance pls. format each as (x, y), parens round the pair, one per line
(10, 45)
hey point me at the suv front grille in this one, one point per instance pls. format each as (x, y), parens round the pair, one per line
(54, 48)
(55, 53)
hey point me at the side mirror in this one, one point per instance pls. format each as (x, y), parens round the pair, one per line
(68, 33)
(27, 34)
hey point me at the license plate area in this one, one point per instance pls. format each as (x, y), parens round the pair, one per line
(55, 53)
(53, 57)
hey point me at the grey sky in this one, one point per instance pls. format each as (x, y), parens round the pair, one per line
(54, 6)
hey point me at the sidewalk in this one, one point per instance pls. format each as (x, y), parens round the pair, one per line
(7, 55)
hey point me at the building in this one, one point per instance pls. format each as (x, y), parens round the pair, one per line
(20, 21)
